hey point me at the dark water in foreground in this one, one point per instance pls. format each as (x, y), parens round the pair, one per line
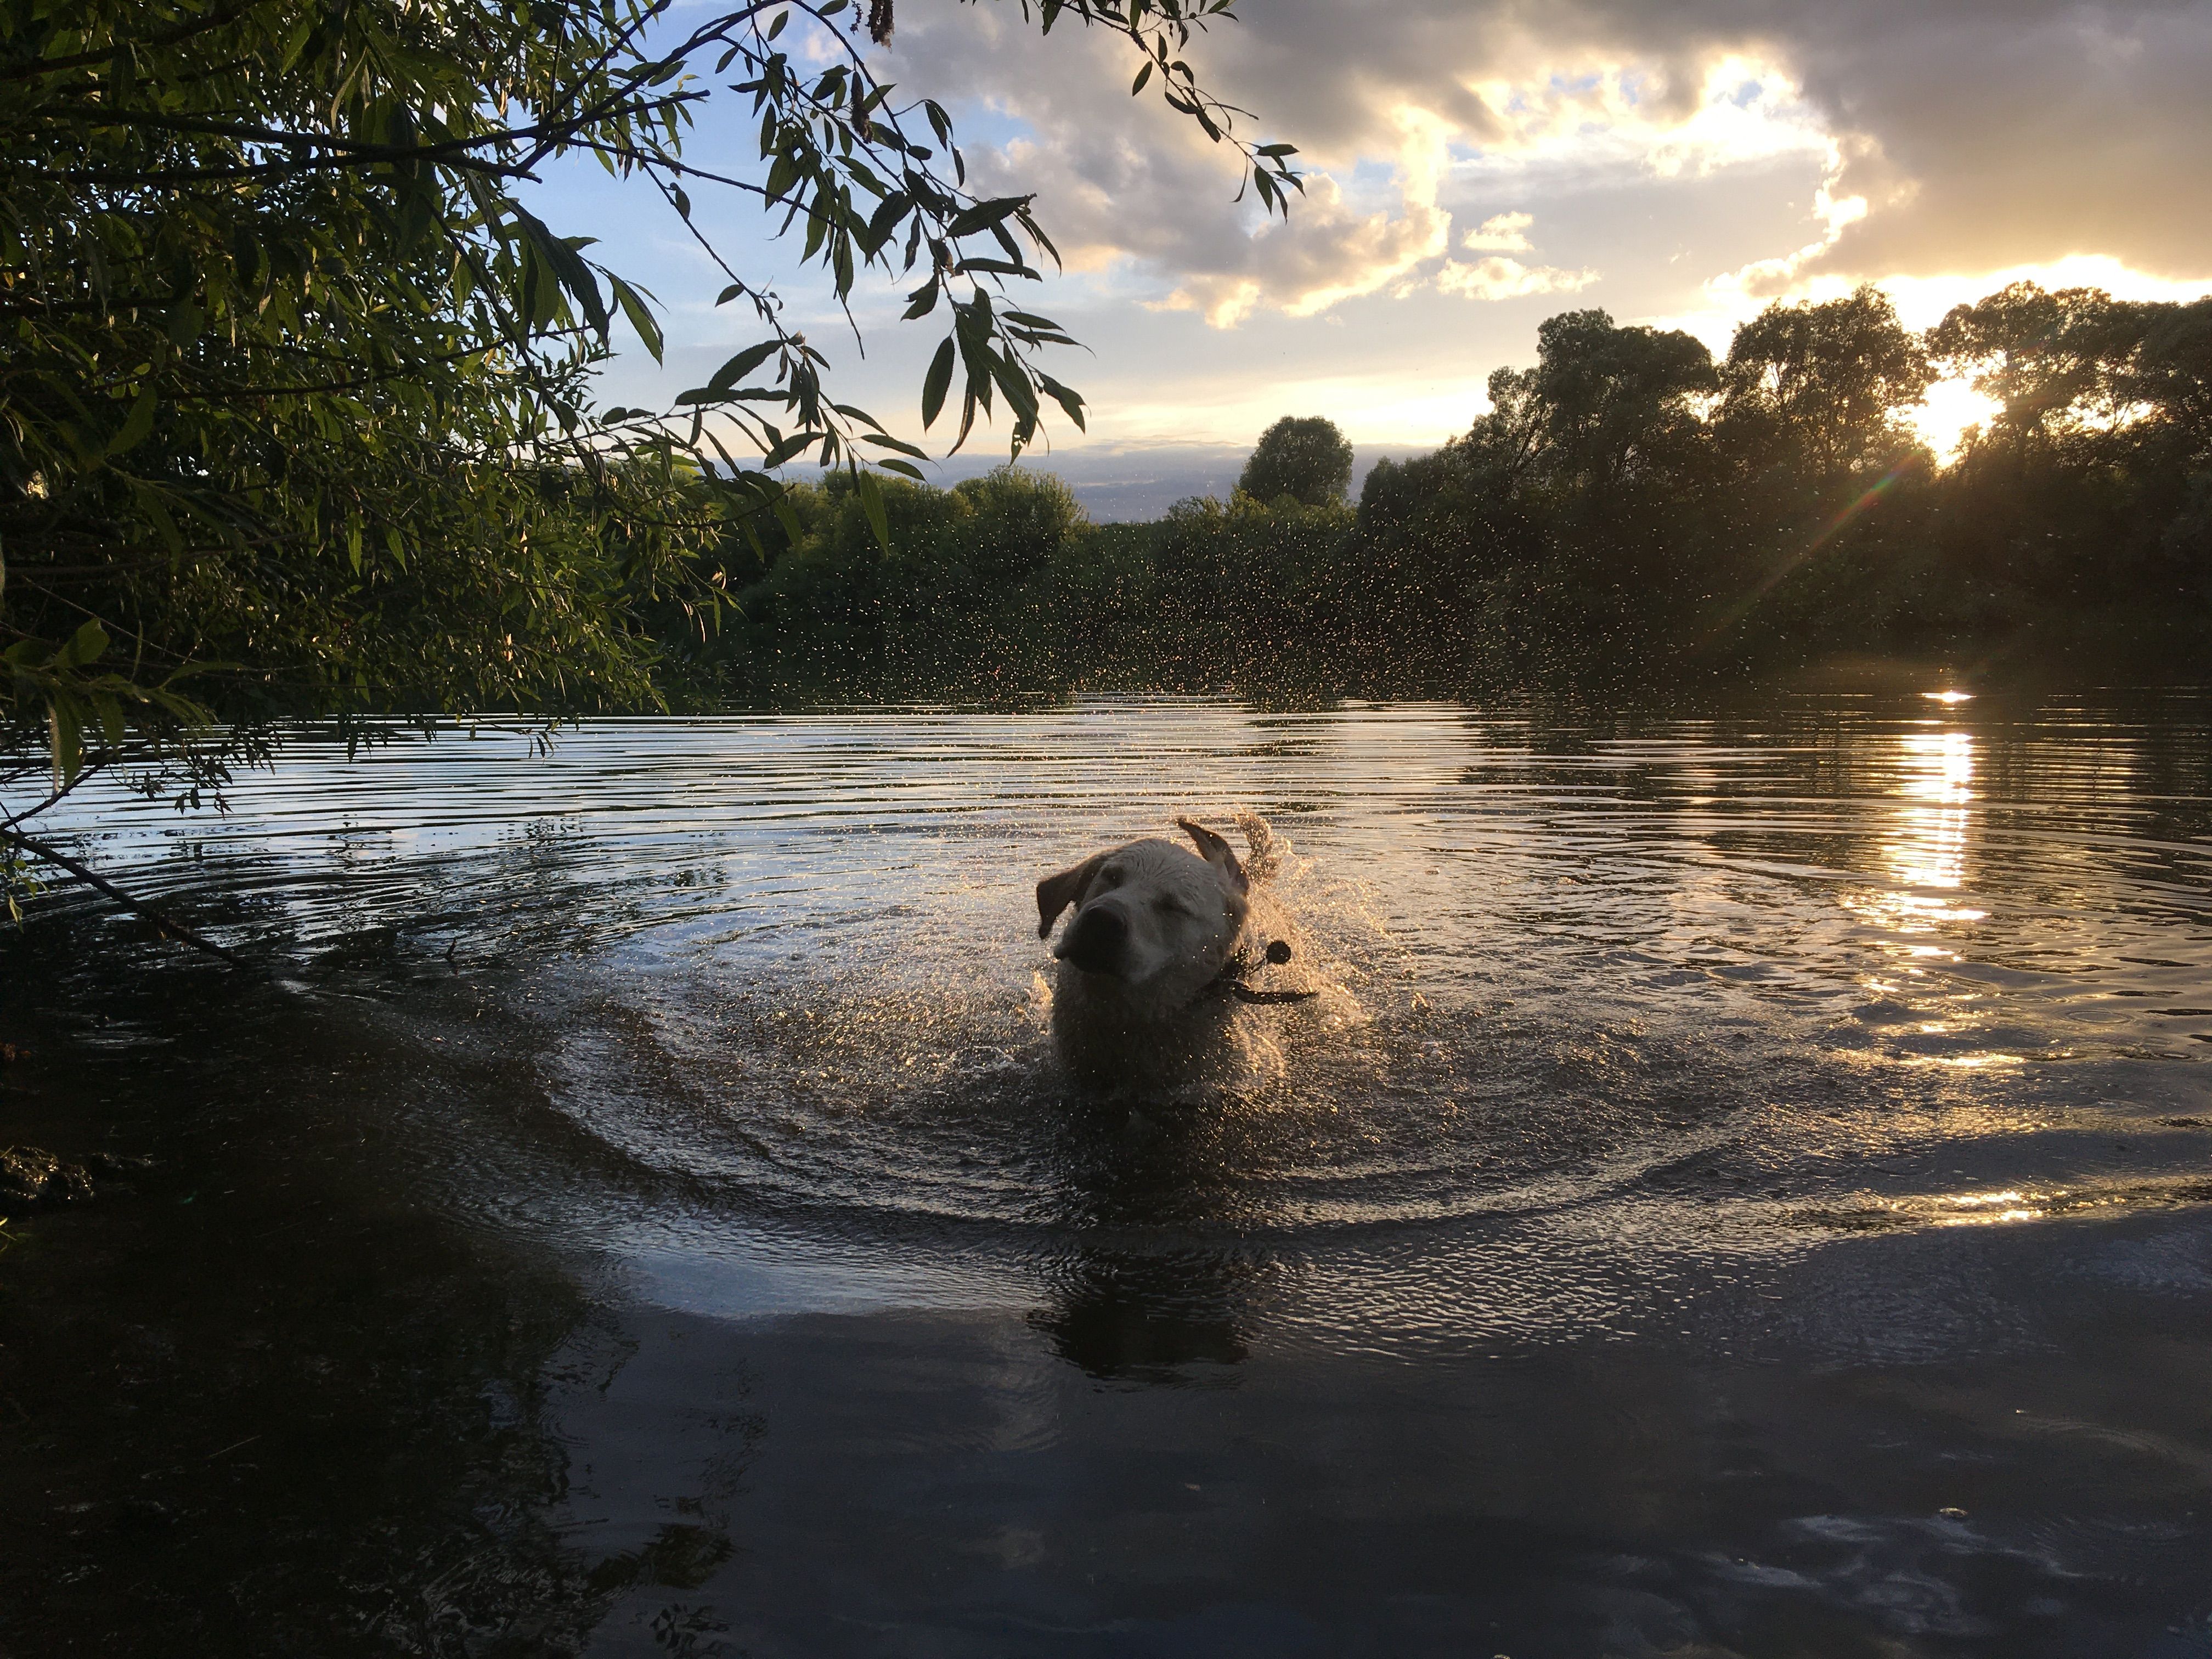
(1747, 1193)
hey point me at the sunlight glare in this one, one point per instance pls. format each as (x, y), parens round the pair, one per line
(1939, 775)
(1941, 418)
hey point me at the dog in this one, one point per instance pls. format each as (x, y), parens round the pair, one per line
(1156, 964)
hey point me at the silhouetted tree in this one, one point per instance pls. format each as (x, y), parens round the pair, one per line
(1616, 402)
(1824, 385)
(1624, 512)
(1508, 440)
(1305, 458)
(2055, 362)
(2173, 374)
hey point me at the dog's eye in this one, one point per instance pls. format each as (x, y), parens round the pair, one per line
(1109, 877)
(1168, 905)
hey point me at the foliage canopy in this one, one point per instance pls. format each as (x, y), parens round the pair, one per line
(1305, 458)
(297, 416)
(1627, 511)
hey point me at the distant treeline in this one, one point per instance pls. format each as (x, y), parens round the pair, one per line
(1627, 508)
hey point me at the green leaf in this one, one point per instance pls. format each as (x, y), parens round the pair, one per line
(108, 708)
(641, 319)
(1143, 76)
(65, 736)
(984, 214)
(1021, 396)
(789, 447)
(924, 301)
(185, 322)
(1069, 399)
(137, 425)
(885, 219)
(88, 644)
(884, 440)
(936, 383)
(871, 503)
(740, 366)
(780, 503)
(566, 264)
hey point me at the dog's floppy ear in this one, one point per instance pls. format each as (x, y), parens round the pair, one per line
(1056, 893)
(1216, 851)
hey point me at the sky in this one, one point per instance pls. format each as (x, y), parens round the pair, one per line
(1471, 169)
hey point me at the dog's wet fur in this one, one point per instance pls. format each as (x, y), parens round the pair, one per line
(1146, 994)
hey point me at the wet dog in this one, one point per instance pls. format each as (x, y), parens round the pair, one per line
(1156, 964)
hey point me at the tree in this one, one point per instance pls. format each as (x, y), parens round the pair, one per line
(2171, 375)
(1825, 384)
(2055, 363)
(1606, 519)
(1306, 458)
(1507, 438)
(2095, 474)
(1616, 401)
(297, 416)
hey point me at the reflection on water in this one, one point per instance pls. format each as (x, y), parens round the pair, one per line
(1931, 848)
(1833, 1037)
(1571, 964)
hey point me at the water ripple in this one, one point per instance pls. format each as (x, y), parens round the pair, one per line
(1727, 983)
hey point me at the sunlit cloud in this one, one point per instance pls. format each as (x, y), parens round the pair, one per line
(1626, 113)
(1327, 252)
(1502, 233)
(1500, 278)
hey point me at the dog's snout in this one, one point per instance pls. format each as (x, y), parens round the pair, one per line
(1096, 939)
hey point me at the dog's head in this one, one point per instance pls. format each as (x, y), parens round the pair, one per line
(1149, 912)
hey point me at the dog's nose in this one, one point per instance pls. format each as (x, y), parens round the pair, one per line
(1094, 939)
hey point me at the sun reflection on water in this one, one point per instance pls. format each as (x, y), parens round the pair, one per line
(1925, 851)
(1930, 849)
(1995, 1209)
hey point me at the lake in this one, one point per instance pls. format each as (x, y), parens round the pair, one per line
(1748, 1191)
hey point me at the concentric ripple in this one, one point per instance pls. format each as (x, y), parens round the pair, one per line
(1836, 965)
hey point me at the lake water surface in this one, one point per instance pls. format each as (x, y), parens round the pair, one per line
(1745, 1191)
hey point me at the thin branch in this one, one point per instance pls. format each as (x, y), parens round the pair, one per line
(359, 149)
(168, 925)
(183, 32)
(29, 813)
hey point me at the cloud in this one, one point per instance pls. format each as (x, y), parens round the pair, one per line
(1502, 233)
(1136, 195)
(1953, 135)
(1328, 251)
(2025, 133)
(1500, 278)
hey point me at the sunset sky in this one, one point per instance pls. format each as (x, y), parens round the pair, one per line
(1473, 169)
